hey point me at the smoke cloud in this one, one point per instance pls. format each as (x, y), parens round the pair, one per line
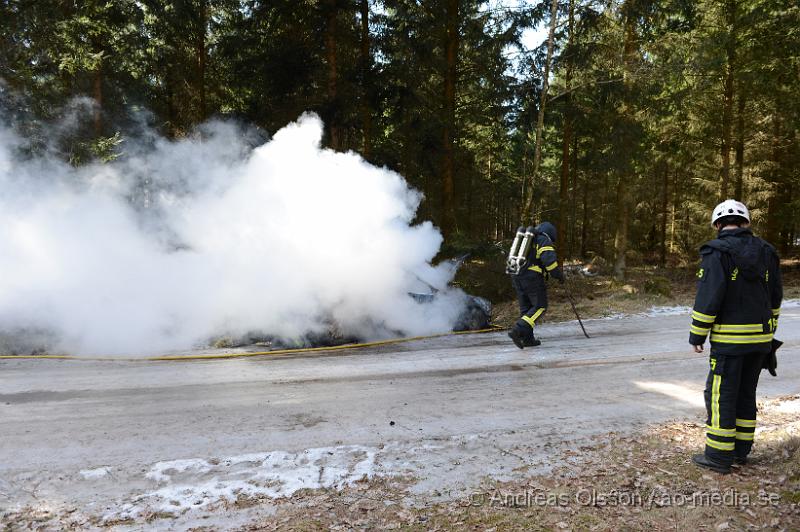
(180, 241)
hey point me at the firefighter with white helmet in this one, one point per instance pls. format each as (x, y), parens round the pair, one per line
(739, 293)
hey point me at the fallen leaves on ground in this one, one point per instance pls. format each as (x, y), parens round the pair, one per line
(632, 482)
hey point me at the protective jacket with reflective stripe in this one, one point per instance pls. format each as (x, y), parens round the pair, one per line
(542, 259)
(739, 293)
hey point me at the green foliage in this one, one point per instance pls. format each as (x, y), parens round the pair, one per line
(660, 94)
(103, 149)
(658, 286)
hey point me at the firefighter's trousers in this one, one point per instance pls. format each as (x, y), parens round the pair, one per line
(731, 405)
(532, 297)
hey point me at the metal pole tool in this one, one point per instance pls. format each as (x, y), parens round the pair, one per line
(575, 310)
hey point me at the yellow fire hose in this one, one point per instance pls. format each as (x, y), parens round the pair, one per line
(279, 352)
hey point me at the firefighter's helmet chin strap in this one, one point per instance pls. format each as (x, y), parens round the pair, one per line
(518, 254)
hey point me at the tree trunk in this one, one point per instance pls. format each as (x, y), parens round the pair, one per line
(604, 218)
(468, 224)
(523, 186)
(624, 196)
(172, 108)
(573, 200)
(727, 109)
(675, 206)
(776, 197)
(200, 58)
(621, 236)
(787, 230)
(664, 205)
(97, 85)
(449, 122)
(585, 218)
(527, 214)
(563, 191)
(366, 82)
(331, 55)
(739, 195)
(97, 91)
(773, 227)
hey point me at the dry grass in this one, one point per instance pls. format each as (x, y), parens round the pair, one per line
(599, 296)
(644, 482)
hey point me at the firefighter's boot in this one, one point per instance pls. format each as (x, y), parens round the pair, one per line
(517, 336)
(704, 461)
(530, 340)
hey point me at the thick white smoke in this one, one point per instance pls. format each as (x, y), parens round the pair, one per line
(186, 240)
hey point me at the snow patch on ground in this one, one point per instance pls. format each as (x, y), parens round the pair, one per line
(197, 483)
(791, 406)
(159, 471)
(668, 311)
(654, 312)
(91, 474)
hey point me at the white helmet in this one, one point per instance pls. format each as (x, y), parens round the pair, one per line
(730, 208)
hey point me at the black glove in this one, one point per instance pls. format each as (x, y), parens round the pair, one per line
(771, 360)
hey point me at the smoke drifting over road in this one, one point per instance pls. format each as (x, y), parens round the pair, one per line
(182, 241)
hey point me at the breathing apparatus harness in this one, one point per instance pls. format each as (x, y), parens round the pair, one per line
(520, 247)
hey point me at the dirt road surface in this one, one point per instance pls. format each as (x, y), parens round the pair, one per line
(170, 445)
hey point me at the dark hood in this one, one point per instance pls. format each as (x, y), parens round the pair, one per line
(735, 232)
(747, 251)
(548, 229)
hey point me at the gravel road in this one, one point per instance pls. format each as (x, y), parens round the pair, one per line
(140, 444)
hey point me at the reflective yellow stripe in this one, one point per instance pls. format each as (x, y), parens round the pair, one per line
(552, 266)
(749, 339)
(705, 318)
(543, 249)
(746, 436)
(531, 320)
(535, 268)
(721, 446)
(739, 328)
(699, 331)
(776, 311)
(715, 401)
(725, 433)
(746, 423)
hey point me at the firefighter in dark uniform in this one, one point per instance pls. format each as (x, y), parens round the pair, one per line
(529, 284)
(738, 302)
